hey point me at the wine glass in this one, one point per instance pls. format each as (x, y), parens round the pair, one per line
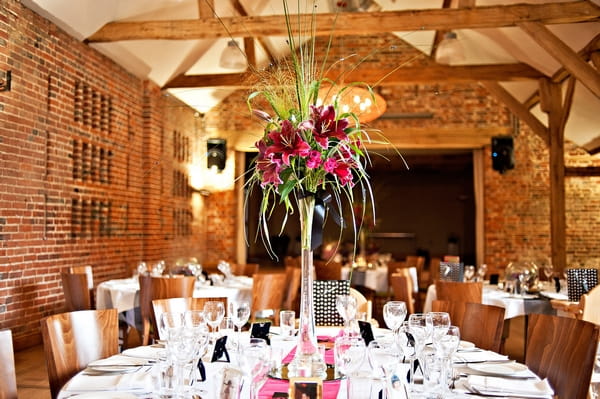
(194, 321)
(469, 272)
(406, 342)
(349, 353)
(481, 272)
(394, 313)
(214, 311)
(420, 326)
(183, 346)
(256, 362)
(445, 345)
(440, 322)
(346, 307)
(548, 270)
(240, 313)
(168, 321)
(384, 355)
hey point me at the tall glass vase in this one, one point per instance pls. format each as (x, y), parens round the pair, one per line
(307, 361)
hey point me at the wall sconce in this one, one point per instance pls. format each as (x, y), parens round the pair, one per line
(216, 154)
(449, 50)
(5, 83)
(233, 57)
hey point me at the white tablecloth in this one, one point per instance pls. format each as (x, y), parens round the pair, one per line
(123, 294)
(514, 305)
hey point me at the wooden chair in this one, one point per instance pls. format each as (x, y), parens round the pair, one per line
(76, 291)
(182, 305)
(563, 350)
(152, 288)
(327, 270)
(88, 271)
(402, 288)
(480, 324)
(419, 263)
(434, 269)
(363, 305)
(267, 295)
(8, 378)
(458, 291)
(292, 295)
(74, 339)
(247, 269)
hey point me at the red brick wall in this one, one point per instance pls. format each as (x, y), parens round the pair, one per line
(93, 164)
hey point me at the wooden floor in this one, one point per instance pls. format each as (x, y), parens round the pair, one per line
(32, 379)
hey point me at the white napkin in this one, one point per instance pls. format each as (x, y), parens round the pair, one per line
(140, 382)
(503, 386)
(480, 356)
(144, 352)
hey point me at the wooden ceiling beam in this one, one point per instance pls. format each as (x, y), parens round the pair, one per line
(352, 23)
(404, 75)
(568, 58)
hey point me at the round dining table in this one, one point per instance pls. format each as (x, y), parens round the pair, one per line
(134, 374)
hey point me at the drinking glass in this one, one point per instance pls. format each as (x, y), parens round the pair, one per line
(420, 326)
(349, 353)
(548, 271)
(384, 355)
(240, 313)
(168, 321)
(406, 343)
(346, 307)
(440, 322)
(256, 362)
(183, 347)
(469, 272)
(214, 311)
(445, 346)
(287, 323)
(481, 272)
(394, 313)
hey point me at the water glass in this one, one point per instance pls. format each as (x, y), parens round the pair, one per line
(168, 321)
(239, 313)
(346, 307)
(445, 347)
(384, 356)
(214, 311)
(440, 322)
(349, 353)
(394, 313)
(287, 323)
(165, 382)
(469, 272)
(256, 362)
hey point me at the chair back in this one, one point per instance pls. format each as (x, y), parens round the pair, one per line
(267, 293)
(434, 268)
(76, 291)
(245, 269)
(87, 270)
(419, 263)
(292, 295)
(74, 339)
(478, 323)
(327, 270)
(402, 288)
(564, 351)
(8, 378)
(160, 287)
(590, 305)
(459, 291)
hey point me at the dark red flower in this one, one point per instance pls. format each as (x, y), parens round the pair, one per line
(287, 142)
(324, 125)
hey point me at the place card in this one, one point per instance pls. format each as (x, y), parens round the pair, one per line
(220, 350)
(261, 330)
(366, 331)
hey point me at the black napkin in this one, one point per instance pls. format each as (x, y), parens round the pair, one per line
(261, 330)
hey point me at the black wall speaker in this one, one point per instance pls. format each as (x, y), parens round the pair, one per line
(503, 157)
(216, 153)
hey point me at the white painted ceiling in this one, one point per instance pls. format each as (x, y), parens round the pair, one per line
(162, 60)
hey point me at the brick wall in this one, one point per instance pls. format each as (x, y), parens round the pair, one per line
(94, 169)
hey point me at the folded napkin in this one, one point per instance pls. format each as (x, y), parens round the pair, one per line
(501, 386)
(144, 352)
(118, 360)
(139, 382)
(480, 356)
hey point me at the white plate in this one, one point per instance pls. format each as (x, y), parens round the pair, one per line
(499, 369)
(466, 345)
(105, 395)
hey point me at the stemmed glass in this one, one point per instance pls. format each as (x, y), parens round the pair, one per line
(420, 326)
(481, 272)
(256, 361)
(194, 321)
(469, 272)
(183, 346)
(240, 313)
(394, 313)
(440, 322)
(214, 311)
(346, 307)
(349, 352)
(445, 345)
(383, 354)
(168, 321)
(406, 343)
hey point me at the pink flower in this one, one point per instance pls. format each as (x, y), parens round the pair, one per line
(287, 142)
(340, 168)
(329, 165)
(324, 125)
(270, 168)
(314, 159)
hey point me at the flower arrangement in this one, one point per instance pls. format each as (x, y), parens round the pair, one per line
(307, 147)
